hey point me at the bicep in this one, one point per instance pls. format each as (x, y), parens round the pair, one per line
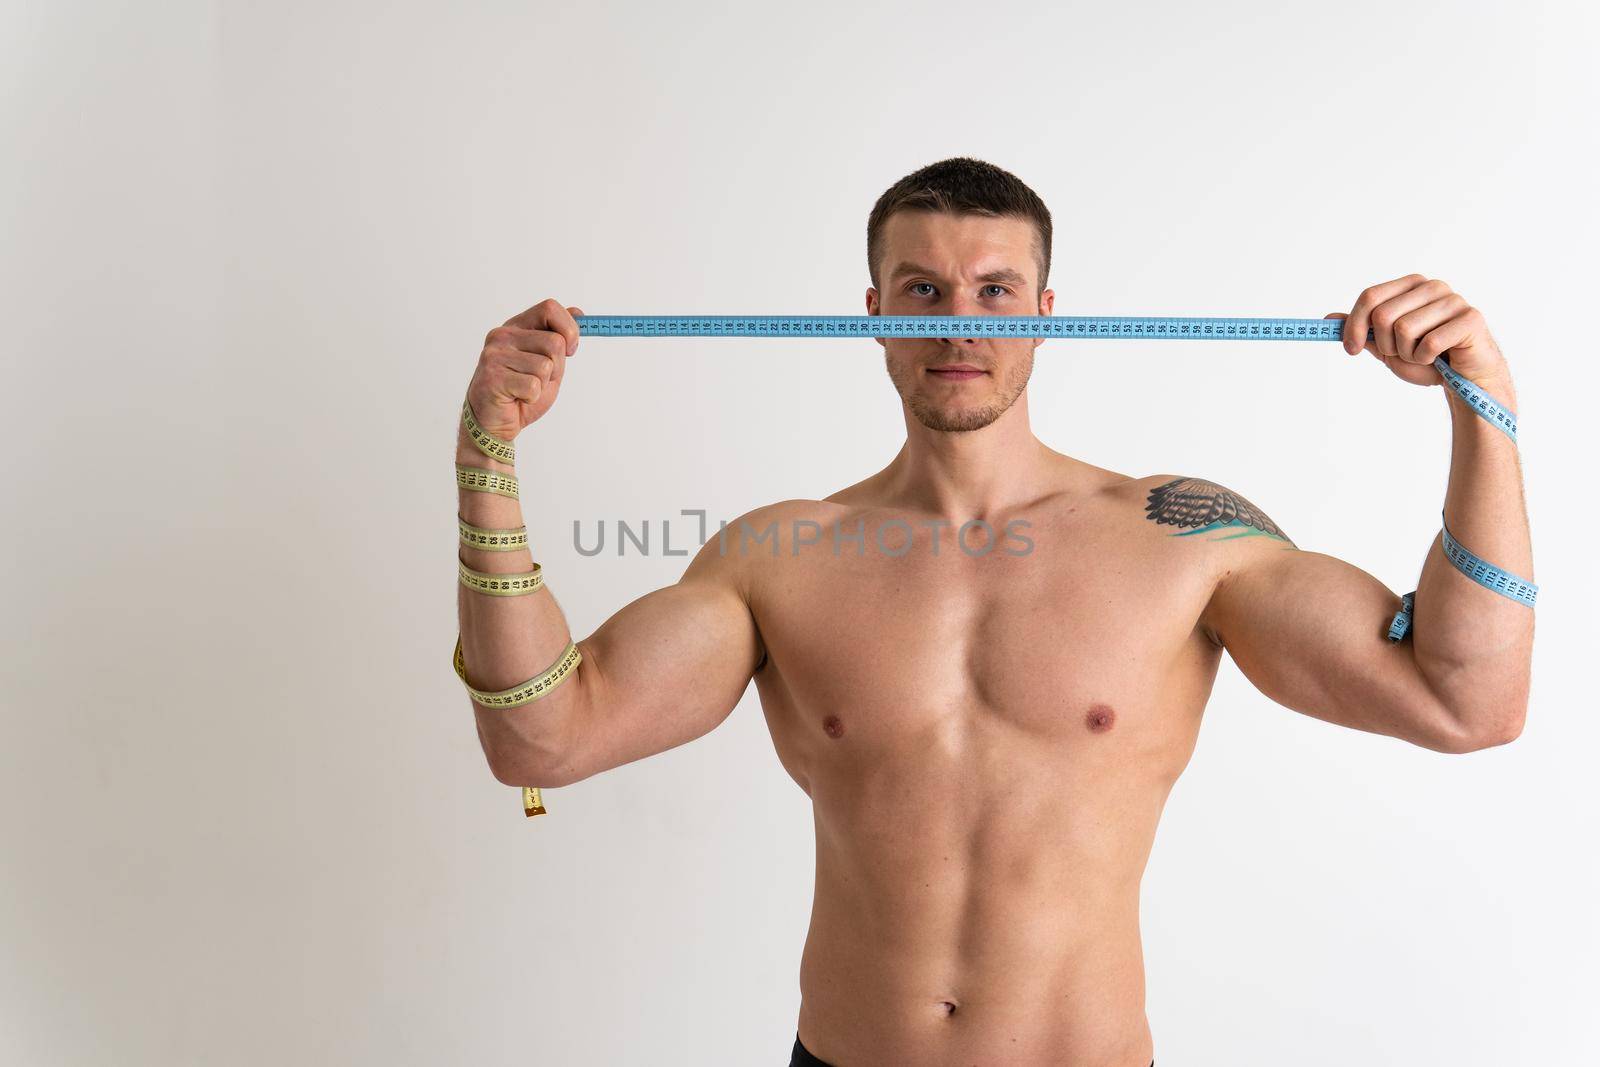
(1309, 631)
(665, 669)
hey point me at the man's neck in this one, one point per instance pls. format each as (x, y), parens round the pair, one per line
(975, 474)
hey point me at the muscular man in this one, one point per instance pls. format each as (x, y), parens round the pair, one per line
(986, 664)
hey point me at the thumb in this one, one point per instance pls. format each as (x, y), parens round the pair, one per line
(577, 313)
(1345, 343)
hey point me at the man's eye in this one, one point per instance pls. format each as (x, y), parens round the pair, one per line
(914, 285)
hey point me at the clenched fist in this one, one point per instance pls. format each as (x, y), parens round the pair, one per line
(520, 369)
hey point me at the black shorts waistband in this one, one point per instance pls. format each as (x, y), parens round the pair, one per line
(801, 1056)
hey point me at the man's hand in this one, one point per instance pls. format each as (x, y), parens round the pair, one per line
(1415, 320)
(520, 368)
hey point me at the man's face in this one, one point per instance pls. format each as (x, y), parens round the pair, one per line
(936, 263)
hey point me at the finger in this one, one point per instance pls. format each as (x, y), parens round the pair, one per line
(1360, 320)
(1387, 314)
(1349, 342)
(1453, 331)
(524, 387)
(576, 313)
(1414, 325)
(533, 318)
(517, 338)
(535, 353)
(549, 315)
(1389, 311)
(1411, 372)
(537, 364)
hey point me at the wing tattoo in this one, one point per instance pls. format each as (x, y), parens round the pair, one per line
(1186, 502)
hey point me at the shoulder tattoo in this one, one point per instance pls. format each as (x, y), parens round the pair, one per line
(1207, 506)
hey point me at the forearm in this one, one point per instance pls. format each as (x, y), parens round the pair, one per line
(506, 640)
(1473, 644)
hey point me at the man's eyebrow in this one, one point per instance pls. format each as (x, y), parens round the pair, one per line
(1003, 274)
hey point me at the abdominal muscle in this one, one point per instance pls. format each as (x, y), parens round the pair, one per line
(987, 746)
(979, 903)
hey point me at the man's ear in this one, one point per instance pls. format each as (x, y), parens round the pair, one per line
(872, 309)
(1047, 305)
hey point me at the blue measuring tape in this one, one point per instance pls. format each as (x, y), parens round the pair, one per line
(1085, 327)
(1079, 326)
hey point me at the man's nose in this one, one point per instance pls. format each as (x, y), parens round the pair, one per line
(963, 307)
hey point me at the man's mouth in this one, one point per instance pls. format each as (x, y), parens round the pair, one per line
(956, 371)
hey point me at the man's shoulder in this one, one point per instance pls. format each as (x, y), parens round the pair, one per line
(1191, 530)
(1200, 509)
(1204, 529)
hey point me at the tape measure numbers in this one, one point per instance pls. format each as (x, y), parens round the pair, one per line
(1079, 326)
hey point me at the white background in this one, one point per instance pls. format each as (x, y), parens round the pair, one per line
(250, 254)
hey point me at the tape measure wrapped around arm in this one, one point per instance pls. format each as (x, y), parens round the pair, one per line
(484, 480)
(1481, 571)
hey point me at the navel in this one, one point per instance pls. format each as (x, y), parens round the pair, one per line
(1100, 719)
(833, 726)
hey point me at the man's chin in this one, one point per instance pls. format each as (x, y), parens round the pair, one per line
(952, 419)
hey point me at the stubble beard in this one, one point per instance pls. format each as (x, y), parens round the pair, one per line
(949, 419)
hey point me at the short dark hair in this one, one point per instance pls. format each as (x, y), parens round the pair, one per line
(961, 185)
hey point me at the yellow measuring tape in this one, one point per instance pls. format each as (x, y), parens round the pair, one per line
(482, 480)
(534, 688)
(487, 443)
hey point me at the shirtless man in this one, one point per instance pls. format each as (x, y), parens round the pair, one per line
(988, 737)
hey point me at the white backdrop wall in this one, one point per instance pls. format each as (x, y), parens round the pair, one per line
(250, 254)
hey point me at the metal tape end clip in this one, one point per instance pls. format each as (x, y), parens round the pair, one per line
(531, 803)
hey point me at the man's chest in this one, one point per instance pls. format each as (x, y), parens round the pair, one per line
(1083, 634)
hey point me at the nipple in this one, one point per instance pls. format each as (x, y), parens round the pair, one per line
(833, 726)
(1100, 719)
